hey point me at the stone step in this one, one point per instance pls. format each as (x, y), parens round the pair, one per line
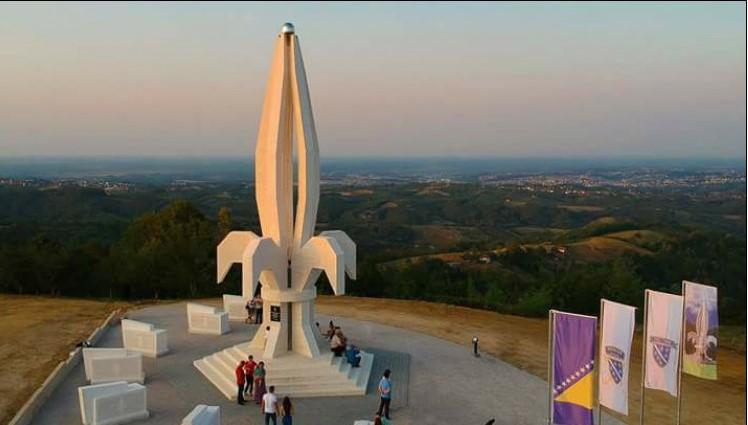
(317, 390)
(321, 378)
(294, 375)
(218, 380)
(363, 372)
(219, 361)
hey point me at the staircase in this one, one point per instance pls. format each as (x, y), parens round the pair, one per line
(292, 374)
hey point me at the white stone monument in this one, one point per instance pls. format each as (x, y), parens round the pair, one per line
(203, 415)
(112, 403)
(288, 258)
(204, 319)
(144, 337)
(113, 364)
(235, 306)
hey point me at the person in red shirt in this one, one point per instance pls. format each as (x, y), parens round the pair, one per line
(249, 374)
(240, 382)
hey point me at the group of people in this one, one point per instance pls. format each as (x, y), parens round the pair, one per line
(250, 380)
(339, 345)
(254, 310)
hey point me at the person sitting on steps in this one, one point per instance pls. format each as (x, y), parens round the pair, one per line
(330, 331)
(353, 355)
(338, 343)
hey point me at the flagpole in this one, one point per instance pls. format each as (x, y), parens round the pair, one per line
(599, 362)
(680, 351)
(644, 356)
(550, 367)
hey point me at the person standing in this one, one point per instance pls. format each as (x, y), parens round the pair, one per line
(249, 374)
(385, 394)
(286, 411)
(270, 406)
(250, 311)
(259, 382)
(240, 381)
(258, 310)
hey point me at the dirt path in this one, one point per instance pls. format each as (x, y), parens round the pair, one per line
(523, 341)
(36, 333)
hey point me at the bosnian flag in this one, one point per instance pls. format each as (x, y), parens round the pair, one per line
(573, 368)
(617, 331)
(664, 325)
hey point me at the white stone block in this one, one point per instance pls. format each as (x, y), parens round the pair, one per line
(203, 415)
(235, 306)
(112, 364)
(112, 403)
(144, 338)
(203, 319)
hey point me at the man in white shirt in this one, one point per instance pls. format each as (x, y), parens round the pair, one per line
(270, 406)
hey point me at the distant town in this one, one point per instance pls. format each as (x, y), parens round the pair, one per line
(579, 183)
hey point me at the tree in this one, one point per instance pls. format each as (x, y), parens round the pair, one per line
(168, 254)
(225, 223)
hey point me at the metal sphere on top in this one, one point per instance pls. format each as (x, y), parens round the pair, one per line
(287, 28)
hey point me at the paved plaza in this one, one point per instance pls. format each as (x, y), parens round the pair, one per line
(435, 381)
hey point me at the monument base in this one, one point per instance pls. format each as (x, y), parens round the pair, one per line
(292, 374)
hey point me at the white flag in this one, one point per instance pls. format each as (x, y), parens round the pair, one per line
(664, 323)
(615, 352)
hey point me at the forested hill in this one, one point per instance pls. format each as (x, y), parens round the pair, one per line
(506, 248)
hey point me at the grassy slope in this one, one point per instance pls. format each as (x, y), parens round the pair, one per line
(36, 333)
(594, 248)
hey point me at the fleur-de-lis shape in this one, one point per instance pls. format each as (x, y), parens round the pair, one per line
(287, 247)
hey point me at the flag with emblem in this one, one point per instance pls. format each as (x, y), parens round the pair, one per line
(664, 325)
(572, 366)
(617, 331)
(701, 322)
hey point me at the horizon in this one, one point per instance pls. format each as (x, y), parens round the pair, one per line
(239, 168)
(660, 80)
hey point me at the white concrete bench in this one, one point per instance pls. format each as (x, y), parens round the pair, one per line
(203, 319)
(144, 338)
(235, 306)
(203, 415)
(112, 403)
(112, 364)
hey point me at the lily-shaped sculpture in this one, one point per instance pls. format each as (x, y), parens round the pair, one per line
(287, 259)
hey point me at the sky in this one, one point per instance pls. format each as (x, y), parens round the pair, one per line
(426, 79)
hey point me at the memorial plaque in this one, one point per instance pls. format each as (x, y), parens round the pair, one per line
(275, 313)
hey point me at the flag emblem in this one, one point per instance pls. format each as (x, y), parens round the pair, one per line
(661, 349)
(615, 357)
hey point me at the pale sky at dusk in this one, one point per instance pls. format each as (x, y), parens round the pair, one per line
(511, 79)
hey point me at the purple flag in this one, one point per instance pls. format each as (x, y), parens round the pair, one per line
(573, 367)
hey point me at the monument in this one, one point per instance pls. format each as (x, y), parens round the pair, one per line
(288, 258)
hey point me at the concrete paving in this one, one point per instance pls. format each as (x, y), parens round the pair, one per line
(434, 381)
